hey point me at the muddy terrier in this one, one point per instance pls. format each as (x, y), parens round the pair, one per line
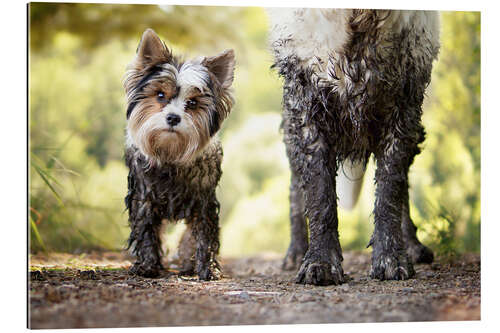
(354, 83)
(174, 110)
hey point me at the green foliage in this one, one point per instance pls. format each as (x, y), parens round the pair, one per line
(448, 189)
(77, 119)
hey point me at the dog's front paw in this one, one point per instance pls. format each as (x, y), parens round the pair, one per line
(420, 254)
(209, 274)
(209, 271)
(293, 257)
(145, 269)
(395, 266)
(320, 273)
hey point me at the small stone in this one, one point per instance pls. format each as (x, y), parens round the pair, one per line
(37, 276)
(435, 266)
(344, 287)
(87, 275)
(53, 295)
(244, 295)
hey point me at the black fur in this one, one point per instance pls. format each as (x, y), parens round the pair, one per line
(214, 122)
(174, 193)
(379, 115)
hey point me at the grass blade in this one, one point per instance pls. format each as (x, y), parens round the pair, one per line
(34, 228)
(45, 177)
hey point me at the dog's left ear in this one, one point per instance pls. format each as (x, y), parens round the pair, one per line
(222, 66)
(152, 50)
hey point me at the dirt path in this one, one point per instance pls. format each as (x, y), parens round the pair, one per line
(96, 291)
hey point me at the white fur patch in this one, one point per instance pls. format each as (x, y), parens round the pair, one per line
(192, 75)
(177, 107)
(312, 34)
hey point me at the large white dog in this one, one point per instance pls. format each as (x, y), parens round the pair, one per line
(354, 83)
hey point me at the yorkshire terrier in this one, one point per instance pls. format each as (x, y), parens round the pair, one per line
(174, 111)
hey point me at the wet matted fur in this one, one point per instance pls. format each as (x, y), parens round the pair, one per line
(354, 83)
(174, 111)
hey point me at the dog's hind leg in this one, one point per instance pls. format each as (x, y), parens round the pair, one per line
(298, 227)
(417, 252)
(186, 252)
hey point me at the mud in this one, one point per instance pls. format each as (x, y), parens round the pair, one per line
(95, 290)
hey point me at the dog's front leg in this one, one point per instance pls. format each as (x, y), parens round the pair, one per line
(389, 258)
(145, 239)
(311, 160)
(205, 229)
(322, 264)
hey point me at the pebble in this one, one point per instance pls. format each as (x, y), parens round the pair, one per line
(87, 275)
(244, 295)
(36, 276)
(345, 287)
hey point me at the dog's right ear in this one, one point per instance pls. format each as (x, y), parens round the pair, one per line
(222, 66)
(152, 50)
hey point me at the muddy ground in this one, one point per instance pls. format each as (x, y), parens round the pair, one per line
(95, 290)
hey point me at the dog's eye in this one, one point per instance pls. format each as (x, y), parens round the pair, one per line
(161, 97)
(191, 104)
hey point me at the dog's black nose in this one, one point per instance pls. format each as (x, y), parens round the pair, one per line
(173, 119)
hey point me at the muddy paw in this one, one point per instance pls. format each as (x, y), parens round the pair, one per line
(420, 254)
(392, 267)
(320, 273)
(145, 269)
(208, 272)
(293, 258)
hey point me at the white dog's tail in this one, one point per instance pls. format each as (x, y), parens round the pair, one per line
(349, 182)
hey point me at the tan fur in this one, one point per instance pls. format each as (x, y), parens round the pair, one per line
(153, 71)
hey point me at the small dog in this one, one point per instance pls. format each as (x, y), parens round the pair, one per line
(174, 110)
(354, 83)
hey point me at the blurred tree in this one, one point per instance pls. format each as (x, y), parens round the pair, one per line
(97, 24)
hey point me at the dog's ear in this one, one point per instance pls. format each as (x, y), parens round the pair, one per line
(152, 50)
(222, 66)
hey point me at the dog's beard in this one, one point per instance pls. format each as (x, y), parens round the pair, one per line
(164, 144)
(170, 146)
